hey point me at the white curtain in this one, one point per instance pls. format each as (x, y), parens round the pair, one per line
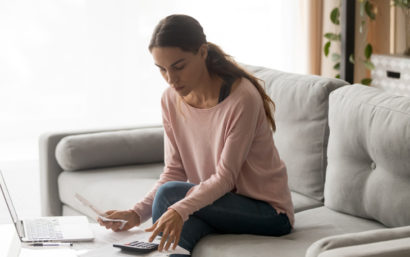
(73, 64)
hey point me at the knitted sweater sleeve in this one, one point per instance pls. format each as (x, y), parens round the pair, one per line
(173, 168)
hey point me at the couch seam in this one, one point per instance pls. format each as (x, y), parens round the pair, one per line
(369, 104)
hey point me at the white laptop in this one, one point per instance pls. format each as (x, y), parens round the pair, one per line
(47, 229)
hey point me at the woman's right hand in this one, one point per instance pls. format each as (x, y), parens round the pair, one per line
(130, 216)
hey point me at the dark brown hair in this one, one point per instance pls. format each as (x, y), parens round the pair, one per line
(186, 33)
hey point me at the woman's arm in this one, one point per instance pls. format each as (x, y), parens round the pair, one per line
(173, 170)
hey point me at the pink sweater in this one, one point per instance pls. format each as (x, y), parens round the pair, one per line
(226, 148)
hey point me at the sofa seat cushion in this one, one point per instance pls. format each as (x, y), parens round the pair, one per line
(301, 202)
(311, 225)
(110, 188)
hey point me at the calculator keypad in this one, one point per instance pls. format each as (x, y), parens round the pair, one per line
(143, 245)
(138, 246)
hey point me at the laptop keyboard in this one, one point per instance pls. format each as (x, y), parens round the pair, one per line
(42, 229)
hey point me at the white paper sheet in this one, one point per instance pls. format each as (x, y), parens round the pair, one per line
(109, 251)
(27, 252)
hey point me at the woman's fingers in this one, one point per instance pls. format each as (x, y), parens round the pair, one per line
(170, 224)
(110, 212)
(171, 239)
(155, 233)
(150, 229)
(116, 226)
(107, 225)
(176, 240)
(164, 238)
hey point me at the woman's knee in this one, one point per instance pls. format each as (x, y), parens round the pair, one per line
(173, 190)
(168, 194)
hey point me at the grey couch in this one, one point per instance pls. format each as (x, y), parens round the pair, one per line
(347, 149)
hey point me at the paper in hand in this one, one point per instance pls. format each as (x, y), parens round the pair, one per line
(99, 213)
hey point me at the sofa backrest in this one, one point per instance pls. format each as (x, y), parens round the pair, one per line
(368, 173)
(301, 118)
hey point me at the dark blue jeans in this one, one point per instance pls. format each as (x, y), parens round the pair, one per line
(230, 214)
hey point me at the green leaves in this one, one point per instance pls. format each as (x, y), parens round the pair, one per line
(368, 51)
(326, 48)
(366, 81)
(369, 9)
(351, 58)
(405, 4)
(335, 15)
(335, 57)
(369, 65)
(335, 19)
(333, 36)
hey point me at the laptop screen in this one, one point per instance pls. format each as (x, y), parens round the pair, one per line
(6, 196)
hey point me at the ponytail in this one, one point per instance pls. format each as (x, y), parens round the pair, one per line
(222, 64)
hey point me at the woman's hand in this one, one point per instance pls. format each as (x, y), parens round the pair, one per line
(130, 216)
(170, 224)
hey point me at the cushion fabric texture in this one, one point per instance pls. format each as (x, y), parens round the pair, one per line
(302, 135)
(109, 188)
(301, 202)
(108, 149)
(362, 238)
(391, 248)
(311, 225)
(369, 155)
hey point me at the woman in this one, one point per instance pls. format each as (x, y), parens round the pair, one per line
(218, 136)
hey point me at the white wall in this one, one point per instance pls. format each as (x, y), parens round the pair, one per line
(72, 64)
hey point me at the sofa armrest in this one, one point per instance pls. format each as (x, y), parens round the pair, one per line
(391, 248)
(380, 242)
(50, 169)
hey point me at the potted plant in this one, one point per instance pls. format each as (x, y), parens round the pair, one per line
(367, 12)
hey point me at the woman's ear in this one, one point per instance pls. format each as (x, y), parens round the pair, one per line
(203, 51)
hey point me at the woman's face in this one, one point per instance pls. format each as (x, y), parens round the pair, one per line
(182, 70)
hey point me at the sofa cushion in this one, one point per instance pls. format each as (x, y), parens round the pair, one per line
(84, 183)
(311, 225)
(362, 240)
(93, 185)
(301, 202)
(105, 149)
(368, 172)
(302, 127)
(109, 188)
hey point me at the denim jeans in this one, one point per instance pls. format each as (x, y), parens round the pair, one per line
(230, 214)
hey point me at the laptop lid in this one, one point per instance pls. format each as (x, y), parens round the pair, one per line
(10, 207)
(73, 228)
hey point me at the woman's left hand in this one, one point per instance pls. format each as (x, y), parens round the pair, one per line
(170, 224)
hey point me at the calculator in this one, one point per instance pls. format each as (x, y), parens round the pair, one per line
(138, 247)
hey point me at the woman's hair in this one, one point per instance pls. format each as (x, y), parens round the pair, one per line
(186, 33)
